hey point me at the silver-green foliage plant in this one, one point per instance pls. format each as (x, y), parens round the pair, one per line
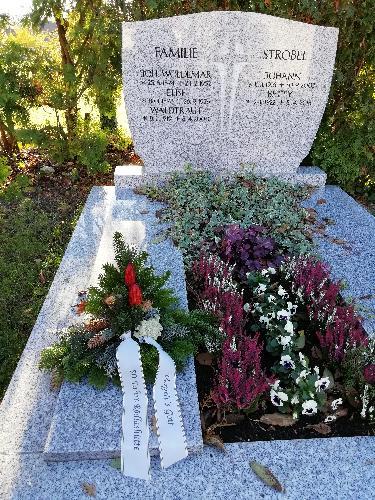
(197, 204)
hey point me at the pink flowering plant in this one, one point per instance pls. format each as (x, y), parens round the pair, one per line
(241, 379)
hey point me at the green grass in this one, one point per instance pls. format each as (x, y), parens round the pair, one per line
(44, 115)
(32, 243)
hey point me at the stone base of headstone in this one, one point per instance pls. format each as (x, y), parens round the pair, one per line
(133, 176)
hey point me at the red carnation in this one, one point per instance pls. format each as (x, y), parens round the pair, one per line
(369, 374)
(129, 275)
(135, 295)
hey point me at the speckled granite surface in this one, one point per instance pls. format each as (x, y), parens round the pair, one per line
(326, 469)
(352, 256)
(227, 88)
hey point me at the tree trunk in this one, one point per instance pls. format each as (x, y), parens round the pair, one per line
(8, 140)
(71, 113)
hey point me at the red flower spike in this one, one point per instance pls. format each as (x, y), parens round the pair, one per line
(135, 295)
(129, 275)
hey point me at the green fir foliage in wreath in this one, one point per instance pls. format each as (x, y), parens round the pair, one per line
(88, 350)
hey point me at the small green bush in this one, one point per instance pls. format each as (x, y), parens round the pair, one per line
(198, 204)
(90, 147)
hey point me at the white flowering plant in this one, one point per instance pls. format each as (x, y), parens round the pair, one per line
(298, 389)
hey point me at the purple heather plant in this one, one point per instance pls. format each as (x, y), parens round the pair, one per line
(240, 379)
(339, 326)
(247, 249)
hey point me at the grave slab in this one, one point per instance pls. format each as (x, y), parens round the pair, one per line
(87, 422)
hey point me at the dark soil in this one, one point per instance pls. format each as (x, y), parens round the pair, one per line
(250, 429)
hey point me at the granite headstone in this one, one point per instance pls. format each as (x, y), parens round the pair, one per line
(221, 89)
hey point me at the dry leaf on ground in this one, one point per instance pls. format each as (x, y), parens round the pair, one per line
(89, 489)
(266, 476)
(277, 419)
(321, 428)
(212, 439)
(234, 418)
(205, 358)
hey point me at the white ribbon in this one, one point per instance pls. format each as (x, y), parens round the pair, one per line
(135, 458)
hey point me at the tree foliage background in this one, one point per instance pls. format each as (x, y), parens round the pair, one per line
(80, 60)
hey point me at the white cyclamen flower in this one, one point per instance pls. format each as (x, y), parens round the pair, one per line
(281, 291)
(264, 272)
(271, 270)
(277, 398)
(271, 299)
(316, 370)
(302, 359)
(149, 328)
(336, 403)
(309, 407)
(322, 384)
(289, 327)
(287, 362)
(261, 288)
(302, 376)
(283, 314)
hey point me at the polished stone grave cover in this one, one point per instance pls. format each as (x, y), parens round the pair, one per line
(221, 89)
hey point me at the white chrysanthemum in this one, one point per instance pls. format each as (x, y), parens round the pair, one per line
(289, 328)
(278, 398)
(336, 403)
(309, 407)
(291, 307)
(322, 384)
(271, 270)
(149, 328)
(281, 291)
(302, 359)
(265, 320)
(287, 362)
(264, 272)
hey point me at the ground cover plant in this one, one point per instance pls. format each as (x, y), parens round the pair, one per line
(198, 206)
(295, 360)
